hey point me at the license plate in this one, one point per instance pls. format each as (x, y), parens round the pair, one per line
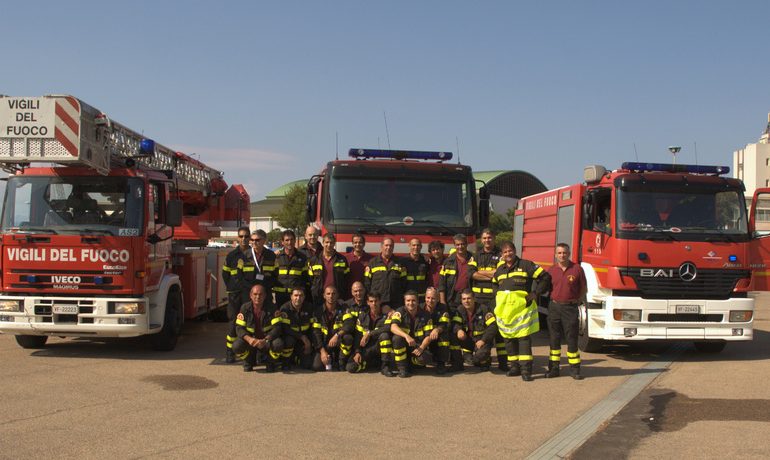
(688, 308)
(65, 309)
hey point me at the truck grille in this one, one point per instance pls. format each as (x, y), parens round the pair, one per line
(708, 284)
(684, 318)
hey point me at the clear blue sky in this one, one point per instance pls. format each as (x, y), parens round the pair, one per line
(259, 89)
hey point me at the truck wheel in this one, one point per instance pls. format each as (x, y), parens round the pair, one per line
(710, 347)
(165, 340)
(31, 341)
(585, 343)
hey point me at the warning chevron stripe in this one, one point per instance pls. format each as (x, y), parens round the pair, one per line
(67, 130)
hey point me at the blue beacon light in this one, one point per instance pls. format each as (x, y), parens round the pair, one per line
(667, 167)
(400, 154)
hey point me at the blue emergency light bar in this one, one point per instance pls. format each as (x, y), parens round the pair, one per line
(666, 167)
(399, 154)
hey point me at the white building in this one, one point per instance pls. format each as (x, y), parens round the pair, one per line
(751, 164)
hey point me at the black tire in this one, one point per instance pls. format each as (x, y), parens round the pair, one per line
(33, 342)
(166, 339)
(586, 343)
(710, 347)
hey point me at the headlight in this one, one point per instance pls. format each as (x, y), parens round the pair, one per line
(627, 315)
(128, 308)
(741, 316)
(10, 305)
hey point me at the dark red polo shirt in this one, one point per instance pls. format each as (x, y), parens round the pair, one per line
(329, 271)
(357, 266)
(461, 282)
(567, 284)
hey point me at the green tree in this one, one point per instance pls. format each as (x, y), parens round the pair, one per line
(499, 223)
(292, 214)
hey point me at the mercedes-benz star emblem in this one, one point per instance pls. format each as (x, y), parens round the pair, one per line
(687, 271)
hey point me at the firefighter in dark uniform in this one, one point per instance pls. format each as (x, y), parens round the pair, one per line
(456, 273)
(357, 303)
(291, 269)
(264, 263)
(411, 327)
(328, 266)
(372, 345)
(386, 276)
(238, 275)
(258, 327)
(416, 269)
(297, 320)
(517, 322)
(569, 287)
(473, 333)
(488, 259)
(334, 328)
(439, 314)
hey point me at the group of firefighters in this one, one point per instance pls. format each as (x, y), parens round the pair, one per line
(318, 309)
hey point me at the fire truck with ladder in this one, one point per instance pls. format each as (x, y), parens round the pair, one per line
(399, 194)
(669, 252)
(106, 235)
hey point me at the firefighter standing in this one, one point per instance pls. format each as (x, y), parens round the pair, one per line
(416, 269)
(386, 276)
(259, 331)
(238, 275)
(473, 333)
(487, 259)
(457, 272)
(372, 344)
(569, 287)
(291, 268)
(519, 283)
(328, 268)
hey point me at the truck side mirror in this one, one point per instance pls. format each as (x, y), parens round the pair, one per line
(311, 203)
(588, 210)
(483, 207)
(174, 213)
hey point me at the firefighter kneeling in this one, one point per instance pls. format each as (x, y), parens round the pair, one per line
(258, 329)
(408, 325)
(372, 345)
(296, 324)
(473, 333)
(333, 330)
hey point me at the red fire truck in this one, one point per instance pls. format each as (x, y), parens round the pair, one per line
(398, 194)
(108, 237)
(668, 251)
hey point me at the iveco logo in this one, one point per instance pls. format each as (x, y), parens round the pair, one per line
(687, 271)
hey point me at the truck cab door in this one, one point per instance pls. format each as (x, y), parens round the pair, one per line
(759, 246)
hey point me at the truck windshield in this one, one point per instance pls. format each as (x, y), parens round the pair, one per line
(701, 212)
(78, 204)
(402, 202)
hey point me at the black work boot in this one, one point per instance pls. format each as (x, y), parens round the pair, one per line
(526, 371)
(229, 356)
(575, 371)
(248, 363)
(386, 371)
(403, 371)
(514, 370)
(440, 368)
(271, 366)
(502, 364)
(456, 358)
(553, 370)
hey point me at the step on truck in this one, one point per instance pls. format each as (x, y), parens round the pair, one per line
(104, 231)
(669, 252)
